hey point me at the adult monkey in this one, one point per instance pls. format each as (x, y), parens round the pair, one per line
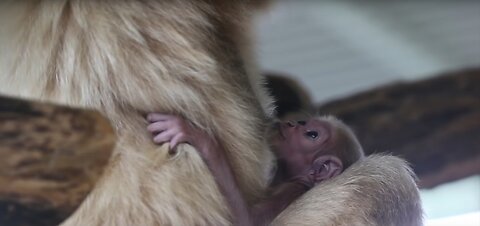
(127, 58)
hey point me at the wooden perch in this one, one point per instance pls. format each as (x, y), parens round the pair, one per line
(50, 158)
(434, 124)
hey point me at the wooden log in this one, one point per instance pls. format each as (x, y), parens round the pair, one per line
(50, 158)
(434, 124)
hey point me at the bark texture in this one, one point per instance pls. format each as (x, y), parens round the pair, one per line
(50, 158)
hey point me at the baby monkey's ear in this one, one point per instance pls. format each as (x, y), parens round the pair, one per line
(326, 167)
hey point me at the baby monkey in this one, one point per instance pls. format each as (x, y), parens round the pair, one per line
(308, 152)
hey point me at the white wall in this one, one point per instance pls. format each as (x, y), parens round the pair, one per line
(336, 48)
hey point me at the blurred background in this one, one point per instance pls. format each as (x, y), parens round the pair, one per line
(404, 74)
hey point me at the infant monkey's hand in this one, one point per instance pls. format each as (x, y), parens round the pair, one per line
(176, 130)
(169, 128)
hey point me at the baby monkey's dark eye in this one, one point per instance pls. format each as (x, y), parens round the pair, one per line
(301, 122)
(312, 134)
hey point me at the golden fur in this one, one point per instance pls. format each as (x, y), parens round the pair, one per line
(378, 190)
(128, 58)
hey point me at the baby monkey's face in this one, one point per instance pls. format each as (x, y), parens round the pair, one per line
(302, 139)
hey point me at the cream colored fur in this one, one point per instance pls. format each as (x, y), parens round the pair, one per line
(378, 190)
(128, 58)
